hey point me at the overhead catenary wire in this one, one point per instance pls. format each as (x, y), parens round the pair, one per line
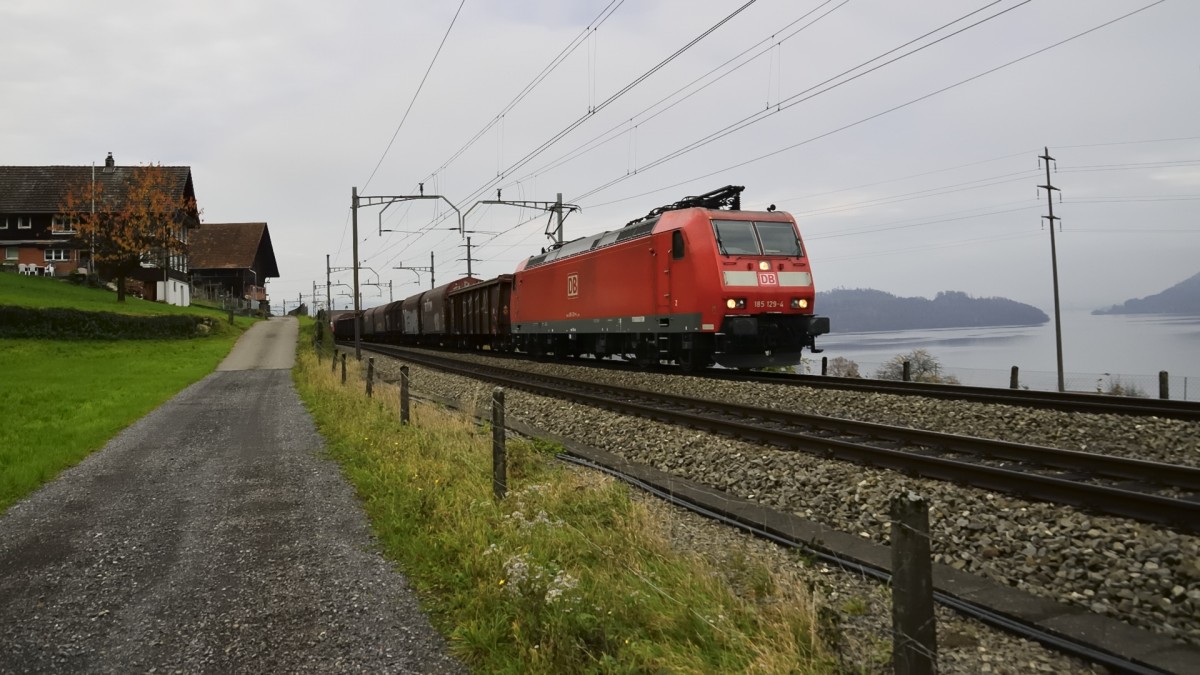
(640, 117)
(911, 102)
(812, 92)
(608, 101)
(546, 71)
(678, 52)
(531, 155)
(887, 111)
(416, 93)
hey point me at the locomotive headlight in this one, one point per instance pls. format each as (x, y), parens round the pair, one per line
(799, 303)
(736, 303)
(764, 265)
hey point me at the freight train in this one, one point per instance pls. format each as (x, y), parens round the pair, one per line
(697, 282)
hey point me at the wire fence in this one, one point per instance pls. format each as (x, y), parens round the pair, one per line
(1181, 387)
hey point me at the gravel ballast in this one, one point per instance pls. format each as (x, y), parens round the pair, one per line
(1145, 575)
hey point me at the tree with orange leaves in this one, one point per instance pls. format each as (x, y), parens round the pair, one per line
(142, 215)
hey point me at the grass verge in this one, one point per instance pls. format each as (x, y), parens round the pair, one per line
(64, 400)
(566, 574)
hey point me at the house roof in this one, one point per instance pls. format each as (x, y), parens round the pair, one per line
(232, 246)
(41, 189)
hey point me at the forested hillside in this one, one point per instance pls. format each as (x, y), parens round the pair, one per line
(865, 309)
(1182, 298)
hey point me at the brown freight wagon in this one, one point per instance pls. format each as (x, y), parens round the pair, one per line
(479, 314)
(435, 309)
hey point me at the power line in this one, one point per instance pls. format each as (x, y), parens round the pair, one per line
(710, 139)
(612, 98)
(887, 227)
(809, 93)
(1151, 140)
(922, 194)
(573, 45)
(884, 112)
(632, 123)
(415, 94)
(929, 247)
(1165, 164)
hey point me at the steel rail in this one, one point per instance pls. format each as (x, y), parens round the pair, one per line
(1180, 513)
(1102, 404)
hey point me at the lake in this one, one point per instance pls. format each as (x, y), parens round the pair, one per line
(1097, 351)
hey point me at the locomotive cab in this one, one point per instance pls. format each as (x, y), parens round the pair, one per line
(767, 288)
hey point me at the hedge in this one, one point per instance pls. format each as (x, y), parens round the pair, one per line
(73, 324)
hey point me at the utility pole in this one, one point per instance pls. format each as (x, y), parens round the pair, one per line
(357, 299)
(418, 270)
(468, 258)
(387, 200)
(557, 210)
(328, 297)
(1050, 189)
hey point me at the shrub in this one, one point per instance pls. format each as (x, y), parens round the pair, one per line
(840, 366)
(923, 367)
(71, 324)
(1118, 388)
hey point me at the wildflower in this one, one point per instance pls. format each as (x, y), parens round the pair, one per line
(501, 582)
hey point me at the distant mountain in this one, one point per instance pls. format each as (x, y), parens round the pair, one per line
(864, 309)
(1182, 298)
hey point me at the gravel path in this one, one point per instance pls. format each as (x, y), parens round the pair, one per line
(210, 536)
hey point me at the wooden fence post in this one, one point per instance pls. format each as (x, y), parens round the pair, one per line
(1014, 382)
(914, 634)
(333, 365)
(907, 375)
(499, 469)
(370, 375)
(824, 365)
(403, 394)
(343, 367)
(1164, 385)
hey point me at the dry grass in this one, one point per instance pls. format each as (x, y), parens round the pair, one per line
(567, 574)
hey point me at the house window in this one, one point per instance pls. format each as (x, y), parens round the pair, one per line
(63, 225)
(57, 254)
(24, 223)
(12, 253)
(4, 224)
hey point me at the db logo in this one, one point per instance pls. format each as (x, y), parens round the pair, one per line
(572, 285)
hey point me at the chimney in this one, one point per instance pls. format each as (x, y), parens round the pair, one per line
(109, 163)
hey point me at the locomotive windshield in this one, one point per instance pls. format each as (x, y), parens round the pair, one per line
(744, 237)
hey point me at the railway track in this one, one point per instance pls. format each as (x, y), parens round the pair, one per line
(1146, 491)
(1060, 627)
(1083, 402)
(1052, 400)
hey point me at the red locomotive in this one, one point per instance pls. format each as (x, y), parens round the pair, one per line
(696, 282)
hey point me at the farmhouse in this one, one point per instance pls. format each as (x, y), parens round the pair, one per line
(38, 238)
(231, 263)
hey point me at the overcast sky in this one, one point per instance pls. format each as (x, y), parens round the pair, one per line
(916, 177)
